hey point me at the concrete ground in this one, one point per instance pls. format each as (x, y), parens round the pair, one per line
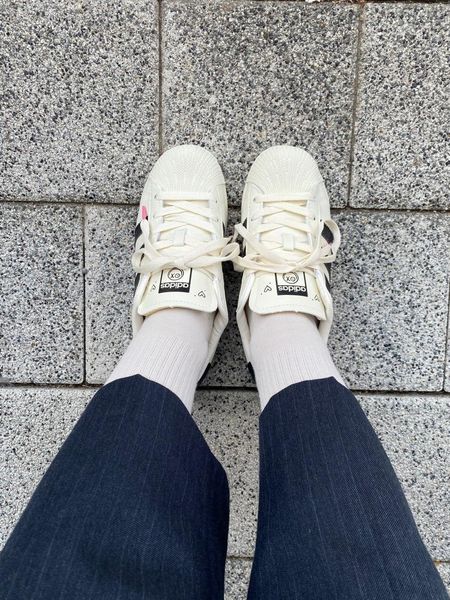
(94, 92)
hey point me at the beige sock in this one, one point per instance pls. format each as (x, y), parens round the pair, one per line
(287, 348)
(170, 348)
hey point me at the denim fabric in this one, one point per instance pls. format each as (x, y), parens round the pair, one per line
(133, 507)
(333, 521)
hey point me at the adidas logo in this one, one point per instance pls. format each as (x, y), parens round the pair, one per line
(175, 280)
(293, 284)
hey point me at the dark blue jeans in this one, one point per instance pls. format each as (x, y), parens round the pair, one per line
(135, 506)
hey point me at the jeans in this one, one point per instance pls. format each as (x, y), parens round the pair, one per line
(135, 506)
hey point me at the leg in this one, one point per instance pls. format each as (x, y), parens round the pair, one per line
(333, 520)
(133, 506)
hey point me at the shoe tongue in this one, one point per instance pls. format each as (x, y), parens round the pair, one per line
(286, 292)
(179, 288)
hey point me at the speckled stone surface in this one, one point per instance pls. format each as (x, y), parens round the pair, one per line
(79, 110)
(390, 323)
(109, 287)
(237, 576)
(402, 117)
(229, 366)
(239, 77)
(41, 308)
(391, 299)
(80, 118)
(413, 430)
(229, 422)
(444, 571)
(109, 293)
(34, 424)
(414, 433)
(447, 366)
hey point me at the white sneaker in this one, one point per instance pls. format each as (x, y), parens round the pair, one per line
(289, 240)
(179, 239)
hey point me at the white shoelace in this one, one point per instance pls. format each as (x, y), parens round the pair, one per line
(289, 237)
(186, 222)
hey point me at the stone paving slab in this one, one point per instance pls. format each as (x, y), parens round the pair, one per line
(41, 309)
(237, 576)
(109, 292)
(403, 113)
(79, 108)
(34, 424)
(447, 366)
(444, 571)
(239, 77)
(109, 287)
(229, 422)
(390, 324)
(391, 300)
(414, 433)
(35, 421)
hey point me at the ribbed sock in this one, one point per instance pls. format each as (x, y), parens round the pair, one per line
(170, 348)
(287, 348)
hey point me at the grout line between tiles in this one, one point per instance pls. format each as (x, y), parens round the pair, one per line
(313, 3)
(247, 558)
(349, 209)
(240, 389)
(356, 391)
(447, 340)
(83, 272)
(380, 210)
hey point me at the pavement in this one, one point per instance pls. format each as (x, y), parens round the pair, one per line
(92, 96)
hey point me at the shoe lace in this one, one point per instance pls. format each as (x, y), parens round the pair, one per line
(183, 232)
(288, 238)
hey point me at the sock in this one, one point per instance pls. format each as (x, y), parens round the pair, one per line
(170, 348)
(287, 348)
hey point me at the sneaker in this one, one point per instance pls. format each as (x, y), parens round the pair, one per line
(179, 239)
(289, 240)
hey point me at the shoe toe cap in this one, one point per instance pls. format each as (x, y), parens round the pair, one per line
(187, 168)
(284, 169)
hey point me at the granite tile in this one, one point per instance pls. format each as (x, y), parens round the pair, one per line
(391, 300)
(237, 576)
(229, 366)
(34, 424)
(239, 77)
(412, 430)
(402, 350)
(414, 433)
(444, 572)
(109, 293)
(79, 106)
(447, 366)
(400, 157)
(229, 422)
(109, 287)
(42, 294)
